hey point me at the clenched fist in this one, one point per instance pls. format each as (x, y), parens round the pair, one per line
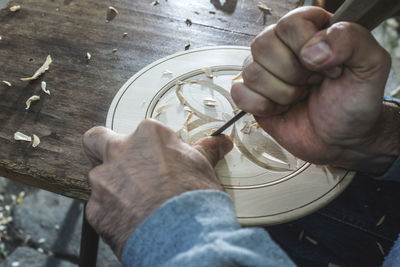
(319, 91)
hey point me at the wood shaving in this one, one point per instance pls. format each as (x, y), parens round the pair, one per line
(187, 45)
(264, 8)
(20, 197)
(22, 137)
(200, 126)
(312, 241)
(15, 8)
(88, 56)
(248, 126)
(207, 84)
(238, 78)
(7, 83)
(380, 248)
(160, 109)
(36, 140)
(189, 22)
(41, 70)
(44, 85)
(208, 72)
(381, 220)
(209, 102)
(189, 117)
(246, 129)
(30, 100)
(115, 50)
(112, 12)
(155, 3)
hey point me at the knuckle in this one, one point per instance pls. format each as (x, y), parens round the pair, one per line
(236, 94)
(347, 31)
(152, 129)
(95, 175)
(147, 124)
(284, 26)
(151, 125)
(261, 43)
(289, 24)
(251, 73)
(92, 132)
(113, 147)
(343, 28)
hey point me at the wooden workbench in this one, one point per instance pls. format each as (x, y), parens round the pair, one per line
(81, 89)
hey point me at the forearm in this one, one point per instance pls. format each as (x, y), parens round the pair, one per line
(382, 148)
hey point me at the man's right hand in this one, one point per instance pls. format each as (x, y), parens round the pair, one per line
(318, 91)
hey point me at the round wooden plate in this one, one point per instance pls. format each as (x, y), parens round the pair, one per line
(268, 185)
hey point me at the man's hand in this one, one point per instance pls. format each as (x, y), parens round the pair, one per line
(138, 173)
(319, 92)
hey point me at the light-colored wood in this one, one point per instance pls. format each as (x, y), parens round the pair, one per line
(268, 184)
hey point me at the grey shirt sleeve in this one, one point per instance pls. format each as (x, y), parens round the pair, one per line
(199, 228)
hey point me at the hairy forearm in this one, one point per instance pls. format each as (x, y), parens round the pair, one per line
(380, 151)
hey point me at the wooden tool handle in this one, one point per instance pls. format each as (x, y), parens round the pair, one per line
(368, 13)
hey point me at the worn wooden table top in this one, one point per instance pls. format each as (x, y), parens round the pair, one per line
(81, 89)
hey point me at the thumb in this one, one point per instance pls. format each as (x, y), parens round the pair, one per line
(214, 148)
(344, 44)
(96, 141)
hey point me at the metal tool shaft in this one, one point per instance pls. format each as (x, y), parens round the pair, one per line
(229, 123)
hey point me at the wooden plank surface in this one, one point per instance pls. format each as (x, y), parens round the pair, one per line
(82, 90)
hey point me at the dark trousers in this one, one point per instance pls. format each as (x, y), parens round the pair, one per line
(356, 229)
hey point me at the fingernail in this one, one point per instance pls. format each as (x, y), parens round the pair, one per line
(317, 53)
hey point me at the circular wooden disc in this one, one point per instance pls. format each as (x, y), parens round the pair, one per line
(268, 185)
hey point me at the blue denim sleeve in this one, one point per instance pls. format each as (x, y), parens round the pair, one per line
(393, 174)
(199, 228)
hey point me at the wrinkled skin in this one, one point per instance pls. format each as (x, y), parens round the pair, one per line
(137, 173)
(317, 92)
